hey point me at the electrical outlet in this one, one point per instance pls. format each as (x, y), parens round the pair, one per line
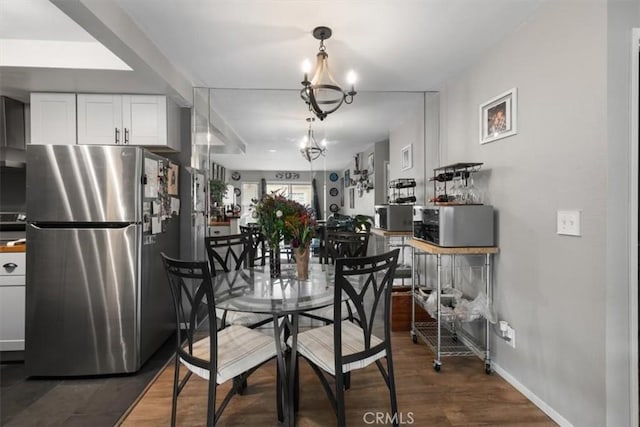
(568, 223)
(511, 336)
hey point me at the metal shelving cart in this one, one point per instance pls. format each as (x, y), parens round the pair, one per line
(442, 335)
(403, 271)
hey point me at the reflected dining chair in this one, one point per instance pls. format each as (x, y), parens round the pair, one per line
(346, 244)
(341, 244)
(344, 346)
(258, 244)
(216, 356)
(228, 253)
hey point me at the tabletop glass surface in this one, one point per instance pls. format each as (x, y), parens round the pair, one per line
(252, 290)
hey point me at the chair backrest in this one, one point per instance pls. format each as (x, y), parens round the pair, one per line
(367, 281)
(346, 244)
(257, 243)
(228, 253)
(192, 295)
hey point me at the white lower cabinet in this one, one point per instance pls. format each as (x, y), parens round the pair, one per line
(219, 230)
(12, 301)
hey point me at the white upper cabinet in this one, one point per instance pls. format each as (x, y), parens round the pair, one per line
(53, 118)
(100, 119)
(145, 120)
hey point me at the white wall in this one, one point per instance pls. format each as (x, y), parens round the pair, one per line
(550, 288)
(621, 17)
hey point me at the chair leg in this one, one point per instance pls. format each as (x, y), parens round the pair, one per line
(347, 380)
(279, 391)
(340, 399)
(242, 384)
(174, 401)
(392, 388)
(296, 386)
(211, 403)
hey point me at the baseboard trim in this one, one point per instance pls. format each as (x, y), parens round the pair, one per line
(544, 406)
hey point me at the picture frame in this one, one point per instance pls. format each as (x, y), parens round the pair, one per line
(499, 117)
(370, 165)
(347, 178)
(352, 198)
(406, 157)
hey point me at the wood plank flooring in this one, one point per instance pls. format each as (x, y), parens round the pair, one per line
(460, 395)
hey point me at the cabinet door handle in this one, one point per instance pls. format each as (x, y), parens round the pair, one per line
(10, 265)
(117, 136)
(126, 135)
(216, 232)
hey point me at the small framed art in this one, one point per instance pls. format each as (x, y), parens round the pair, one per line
(498, 117)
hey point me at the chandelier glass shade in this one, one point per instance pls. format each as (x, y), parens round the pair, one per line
(310, 149)
(322, 94)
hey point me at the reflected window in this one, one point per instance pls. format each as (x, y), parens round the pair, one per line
(300, 193)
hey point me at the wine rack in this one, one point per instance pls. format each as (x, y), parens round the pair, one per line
(402, 191)
(445, 175)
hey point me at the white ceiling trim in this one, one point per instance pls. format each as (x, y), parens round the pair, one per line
(58, 54)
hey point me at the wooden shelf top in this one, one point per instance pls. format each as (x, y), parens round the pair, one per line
(16, 248)
(387, 233)
(467, 250)
(219, 223)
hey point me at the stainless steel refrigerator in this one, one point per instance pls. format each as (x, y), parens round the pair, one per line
(97, 301)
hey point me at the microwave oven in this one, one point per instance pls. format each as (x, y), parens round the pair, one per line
(454, 226)
(393, 217)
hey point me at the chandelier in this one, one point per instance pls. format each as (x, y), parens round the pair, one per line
(309, 148)
(322, 94)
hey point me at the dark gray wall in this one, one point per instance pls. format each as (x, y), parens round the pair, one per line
(13, 189)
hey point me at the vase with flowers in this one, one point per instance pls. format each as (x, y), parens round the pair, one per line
(284, 219)
(301, 227)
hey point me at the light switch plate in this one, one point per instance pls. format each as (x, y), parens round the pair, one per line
(569, 223)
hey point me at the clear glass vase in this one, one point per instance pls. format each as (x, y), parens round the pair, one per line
(302, 262)
(275, 266)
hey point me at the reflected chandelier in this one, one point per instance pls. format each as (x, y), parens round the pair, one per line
(309, 148)
(322, 94)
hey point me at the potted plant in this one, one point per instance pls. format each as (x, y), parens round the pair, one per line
(217, 190)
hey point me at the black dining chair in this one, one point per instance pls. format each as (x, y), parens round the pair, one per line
(216, 356)
(344, 346)
(258, 254)
(228, 253)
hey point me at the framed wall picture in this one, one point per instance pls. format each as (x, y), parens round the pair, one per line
(347, 178)
(370, 169)
(406, 159)
(352, 198)
(172, 179)
(498, 117)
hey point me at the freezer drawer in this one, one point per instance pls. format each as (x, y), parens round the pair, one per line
(82, 301)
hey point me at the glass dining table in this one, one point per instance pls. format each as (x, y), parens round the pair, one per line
(284, 298)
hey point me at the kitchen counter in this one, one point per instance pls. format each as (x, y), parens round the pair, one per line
(219, 223)
(16, 248)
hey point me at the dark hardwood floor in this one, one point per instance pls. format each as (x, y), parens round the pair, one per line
(460, 395)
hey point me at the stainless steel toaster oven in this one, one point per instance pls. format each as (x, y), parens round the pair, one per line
(393, 217)
(454, 226)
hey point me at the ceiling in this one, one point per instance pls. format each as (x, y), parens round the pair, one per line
(251, 51)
